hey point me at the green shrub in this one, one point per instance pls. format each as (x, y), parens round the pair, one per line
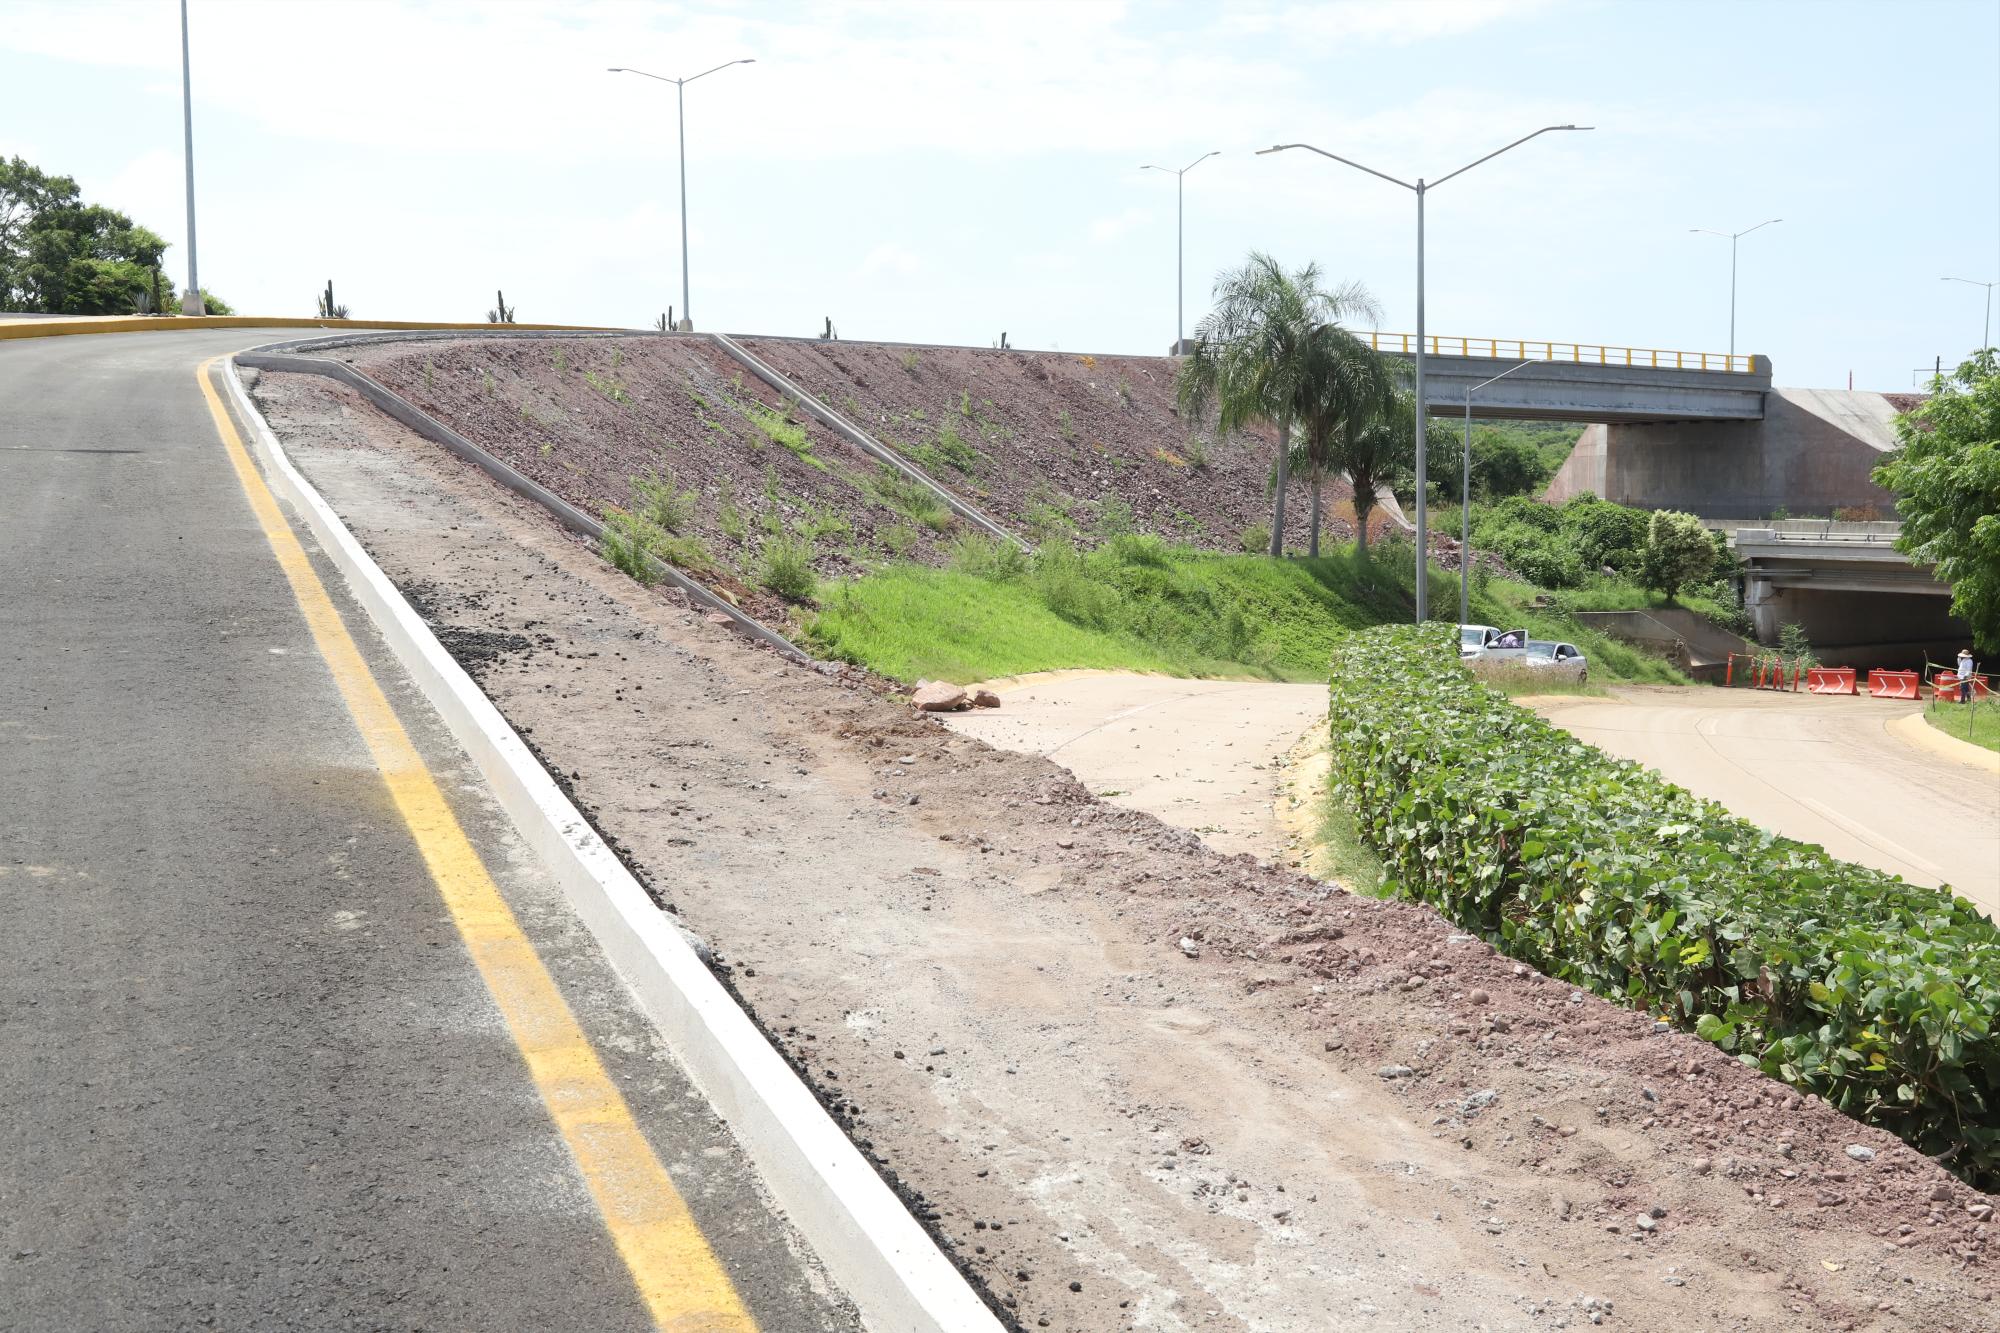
(1878, 995)
(624, 545)
(1256, 539)
(988, 557)
(1679, 551)
(910, 498)
(784, 565)
(898, 539)
(661, 502)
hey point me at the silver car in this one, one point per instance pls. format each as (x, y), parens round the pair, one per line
(1561, 659)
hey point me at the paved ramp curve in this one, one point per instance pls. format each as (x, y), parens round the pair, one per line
(1827, 770)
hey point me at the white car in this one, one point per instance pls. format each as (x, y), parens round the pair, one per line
(1488, 644)
(1561, 659)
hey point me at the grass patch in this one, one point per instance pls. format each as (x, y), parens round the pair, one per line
(1138, 603)
(630, 538)
(1340, 852)
(610, 386)
(1978, 723)
(784, 565)
(780, 429)
(909, 497)
(1514, 679)
(950, 449)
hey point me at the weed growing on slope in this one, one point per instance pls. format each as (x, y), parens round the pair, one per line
(608, 385)
(775, 426)
(629, 538)
(661, 501)
(729, 517)
(910, 498)
(560, 360)
(949, 450)
(784, 565)
(898, 539)
(911, 361)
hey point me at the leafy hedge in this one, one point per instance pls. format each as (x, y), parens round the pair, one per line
(1878, 995)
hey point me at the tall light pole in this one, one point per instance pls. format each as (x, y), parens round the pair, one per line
(1733, 236)
(1986, 329)
(1465, 500)
(1180, 263)
(191, 304)
(680, 108)
(1421, 188)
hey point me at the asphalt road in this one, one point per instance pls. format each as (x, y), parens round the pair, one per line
(1825, 770)
(249, 1074)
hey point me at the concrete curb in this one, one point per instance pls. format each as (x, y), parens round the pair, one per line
(274, 358)
(1924, 736)
(867, 1240)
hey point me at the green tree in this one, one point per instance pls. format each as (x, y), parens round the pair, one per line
(59, 255)
(1253, 354)
(1679, 551)
(1347, 388)
(1945, 472)
(1381, 449)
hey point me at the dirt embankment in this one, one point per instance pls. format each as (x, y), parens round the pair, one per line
(1132, 1083)
(1046, 440)
(1048, 443)
(585, 416)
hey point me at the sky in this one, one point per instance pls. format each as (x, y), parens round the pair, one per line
(944, 172)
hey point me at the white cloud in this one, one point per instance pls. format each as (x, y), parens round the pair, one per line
(1119, 225)
(892, 259)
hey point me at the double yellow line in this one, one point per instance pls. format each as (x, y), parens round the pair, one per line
(677, 1274)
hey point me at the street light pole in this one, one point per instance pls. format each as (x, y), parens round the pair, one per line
(1421, 188)
(1465, 500)
(1985, 329)
(680, 111)
(191, 304)
(1180, 231)
(1733, 236)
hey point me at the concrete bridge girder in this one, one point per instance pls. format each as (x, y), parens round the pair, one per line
(1589, 391)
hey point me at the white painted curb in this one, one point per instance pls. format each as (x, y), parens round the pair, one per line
(865, 1238)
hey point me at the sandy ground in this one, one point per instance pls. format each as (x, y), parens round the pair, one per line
(1133, 1083)
(1203, 755)
(1825, 770)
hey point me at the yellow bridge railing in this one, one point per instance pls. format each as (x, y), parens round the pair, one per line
(1521, 349)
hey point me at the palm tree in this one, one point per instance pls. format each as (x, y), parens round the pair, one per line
(1254, 354)
(1348, 387)
(1380, 449)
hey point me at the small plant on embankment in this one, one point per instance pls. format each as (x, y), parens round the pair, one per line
(1880, 996)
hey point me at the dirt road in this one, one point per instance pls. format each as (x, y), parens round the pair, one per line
(1822, 770)
(1131, 1082)
(1201, 754)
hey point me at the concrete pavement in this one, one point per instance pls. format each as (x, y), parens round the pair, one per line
(1820, 769)
(250, 1073)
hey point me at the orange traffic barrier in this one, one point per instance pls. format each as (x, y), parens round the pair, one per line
(1894, 684)
(1944, 685)
(1830, 680)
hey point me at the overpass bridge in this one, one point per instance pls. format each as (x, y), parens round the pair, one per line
(1584, 382)
(1859, 600)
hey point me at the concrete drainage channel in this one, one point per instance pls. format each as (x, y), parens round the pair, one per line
(868, 1241)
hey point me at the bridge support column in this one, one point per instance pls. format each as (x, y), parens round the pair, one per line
(1766, 604)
